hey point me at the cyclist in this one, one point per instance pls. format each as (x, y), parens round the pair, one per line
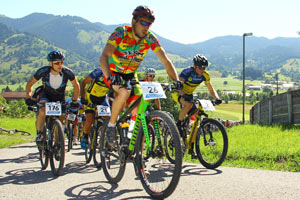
(192, 77)
(150, 75)
(76, 112)
(125, 50)
(95, 94)
(54, 78)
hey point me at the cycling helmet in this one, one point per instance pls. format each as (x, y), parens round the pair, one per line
(200, 60)
(144, 11)
(150, 71)
(55, 55)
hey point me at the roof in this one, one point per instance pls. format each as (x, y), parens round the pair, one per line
(13, 95)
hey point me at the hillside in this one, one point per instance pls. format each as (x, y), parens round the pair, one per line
(83, 43)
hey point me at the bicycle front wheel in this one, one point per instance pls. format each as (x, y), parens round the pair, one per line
(211, 143)
(158, 175)
(70, 134)
(96, 152)
(90, 147)
(57, 153)
(43, 150)
(112, 164)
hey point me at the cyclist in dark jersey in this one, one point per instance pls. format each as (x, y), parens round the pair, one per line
(54, 78)
(125, 50)
(192, 77)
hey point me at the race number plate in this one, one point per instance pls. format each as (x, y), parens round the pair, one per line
(207, 105)
(71, 116)
(53, 109)
(152, 90)
(103, 110)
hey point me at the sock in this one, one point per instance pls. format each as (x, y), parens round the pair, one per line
(111, 125)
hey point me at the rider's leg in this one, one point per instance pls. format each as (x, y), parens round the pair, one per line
(87, 127)
(118, 104)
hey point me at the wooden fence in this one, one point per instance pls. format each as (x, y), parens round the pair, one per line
(282, 108)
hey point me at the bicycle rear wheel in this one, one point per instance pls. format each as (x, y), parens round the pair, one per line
(112, 164)
(96, 152)
(211, 143)
(158, 175)
(57, 153)
(43, 150)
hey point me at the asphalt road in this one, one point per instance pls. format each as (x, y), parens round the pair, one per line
(22, 178)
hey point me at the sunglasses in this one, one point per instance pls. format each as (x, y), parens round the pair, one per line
(151, 76)
(144, 23)
(58, 62)
(201, 67)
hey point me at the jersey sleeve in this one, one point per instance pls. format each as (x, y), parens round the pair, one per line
(207, 77)
(184, 74)
(95, 73)
(41, 73)
(154, 42)
(116, 37)
(70, 74)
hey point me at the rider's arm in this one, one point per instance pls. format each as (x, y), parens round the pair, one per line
(29, 85)
(106, 54)
(76, 89)
(162, 56)
(212, 91)
(82, 86)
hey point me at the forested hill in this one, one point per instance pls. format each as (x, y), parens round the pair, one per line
(26, 41)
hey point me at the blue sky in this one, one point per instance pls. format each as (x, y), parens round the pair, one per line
(184, 21)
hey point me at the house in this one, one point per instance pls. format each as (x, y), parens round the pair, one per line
(253, 87)
(9, 96)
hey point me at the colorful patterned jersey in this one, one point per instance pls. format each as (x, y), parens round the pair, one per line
(192, 79)
(98, 87)
(129, 54)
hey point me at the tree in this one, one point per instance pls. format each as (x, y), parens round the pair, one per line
(225, 83)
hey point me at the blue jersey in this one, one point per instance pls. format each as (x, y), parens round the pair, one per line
(192, 79)
(98, 88)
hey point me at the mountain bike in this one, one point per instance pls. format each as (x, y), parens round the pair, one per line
(209, 134)
(146, 147)
(72, 118)
(53, 145)
(93, 148)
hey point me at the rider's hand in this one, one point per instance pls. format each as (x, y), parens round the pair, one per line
(84, 101)
(30, 102)
(218, 101)
(178, 85)
(115, 79)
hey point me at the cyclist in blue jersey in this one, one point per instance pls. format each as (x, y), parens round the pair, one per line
(54, 77)
(192, 77)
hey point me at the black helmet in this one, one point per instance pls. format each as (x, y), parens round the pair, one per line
(150, 71)
(144, 11)
(200, 60)
(55, 55)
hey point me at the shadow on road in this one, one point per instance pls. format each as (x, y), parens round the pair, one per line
(99, 190)
(27, 176)
(31, 157)
(188, 170)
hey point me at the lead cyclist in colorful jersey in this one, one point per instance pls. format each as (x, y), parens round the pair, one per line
(125, 50)
(95, 94)
(192, 77)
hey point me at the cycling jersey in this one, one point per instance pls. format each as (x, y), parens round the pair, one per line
(44, 73)
(128, 53)
(192, 79)
(98, 87)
